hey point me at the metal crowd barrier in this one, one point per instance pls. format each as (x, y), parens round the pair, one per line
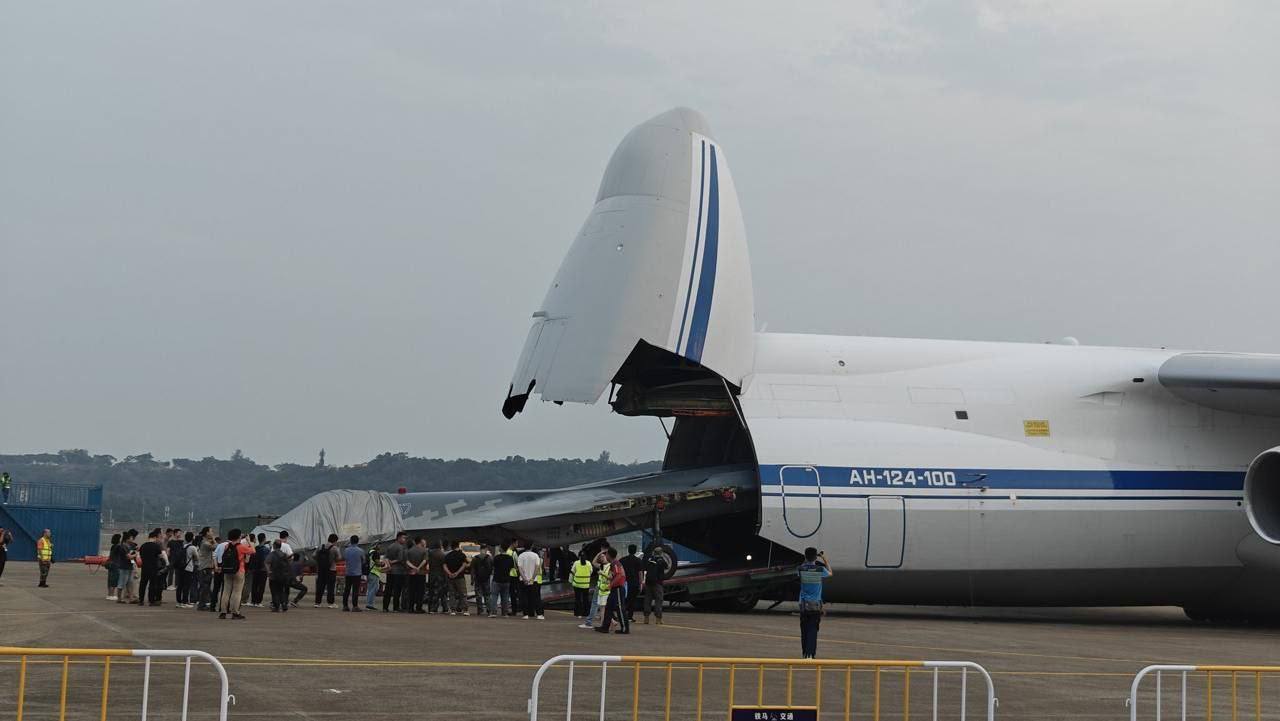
(1252, 689)
(687, 686)
(66, 654)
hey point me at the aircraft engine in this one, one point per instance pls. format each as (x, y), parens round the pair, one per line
(1262, 495)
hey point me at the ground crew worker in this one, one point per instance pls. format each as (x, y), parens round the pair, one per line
(613, 582)
(652, 576)
(813, 572)
(514, 578)
(5, 483)
(580, 579)
(44, 554)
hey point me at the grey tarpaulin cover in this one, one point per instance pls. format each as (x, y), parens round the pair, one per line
(371, 515)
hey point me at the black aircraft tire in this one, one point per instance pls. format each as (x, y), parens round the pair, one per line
(672, 559)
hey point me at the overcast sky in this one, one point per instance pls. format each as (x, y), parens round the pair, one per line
(282, 226)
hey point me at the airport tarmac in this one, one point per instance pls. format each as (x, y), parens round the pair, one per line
(322, 663)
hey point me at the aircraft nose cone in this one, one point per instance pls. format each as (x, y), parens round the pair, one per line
(654, 158)
(684, 119)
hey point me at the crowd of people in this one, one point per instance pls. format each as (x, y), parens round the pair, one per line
(209, 573)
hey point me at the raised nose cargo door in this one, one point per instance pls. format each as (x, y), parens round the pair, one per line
(661, 260)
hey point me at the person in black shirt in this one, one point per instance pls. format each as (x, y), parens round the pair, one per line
(260, 571)
(5, 539)
(174, 546)
(326, 570)
(455, 568)
(481, 580)
(632, 565)
(654, 573)
(151, 578)
(500, 592)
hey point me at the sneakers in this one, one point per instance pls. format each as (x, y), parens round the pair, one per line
(344, 608)
(293, 604)
(541, 617)
(237, 617)
(585, 625)
(370, 608)
(355, 610)
(315, 605)
(493, 615)
(333, 605)
(466, 613)
(222, 615)
(111, 598)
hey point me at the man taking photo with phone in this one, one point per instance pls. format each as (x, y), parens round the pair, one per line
(813, 572)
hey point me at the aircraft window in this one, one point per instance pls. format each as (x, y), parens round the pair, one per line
(962, 415)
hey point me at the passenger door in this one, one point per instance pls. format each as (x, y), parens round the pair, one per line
(801, 500)
(886, 531)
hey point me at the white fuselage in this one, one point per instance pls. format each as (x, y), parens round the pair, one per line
(1000, 473)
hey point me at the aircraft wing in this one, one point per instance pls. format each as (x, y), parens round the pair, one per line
(579, 512)
(1235, 382)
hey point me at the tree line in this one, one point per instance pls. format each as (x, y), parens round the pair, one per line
(210, 487)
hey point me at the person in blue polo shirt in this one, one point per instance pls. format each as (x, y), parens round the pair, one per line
(813, 572)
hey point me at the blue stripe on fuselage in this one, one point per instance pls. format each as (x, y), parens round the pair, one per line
(697, 237)
(707, 278)
(1023, 479)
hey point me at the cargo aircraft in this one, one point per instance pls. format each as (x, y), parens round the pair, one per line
(930, 471)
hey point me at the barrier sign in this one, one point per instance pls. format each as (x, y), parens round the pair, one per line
(773, 713)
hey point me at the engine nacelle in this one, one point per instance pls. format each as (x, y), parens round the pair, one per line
(1262, 495)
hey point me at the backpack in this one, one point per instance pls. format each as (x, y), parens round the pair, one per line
(279, 565)
(257, 561)
(231, 558)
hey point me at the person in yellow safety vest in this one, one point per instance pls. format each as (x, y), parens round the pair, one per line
(613, 582)
(44, 554)
(580, 579)
(514, 578)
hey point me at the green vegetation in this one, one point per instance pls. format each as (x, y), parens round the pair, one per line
(213, 488)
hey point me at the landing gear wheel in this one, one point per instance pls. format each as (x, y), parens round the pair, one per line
(670, 554)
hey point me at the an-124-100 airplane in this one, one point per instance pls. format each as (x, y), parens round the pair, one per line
(930, 471)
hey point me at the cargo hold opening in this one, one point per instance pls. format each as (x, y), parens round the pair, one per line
(705, 429)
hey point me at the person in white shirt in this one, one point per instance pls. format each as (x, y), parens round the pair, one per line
(284, 544)
(529, 566)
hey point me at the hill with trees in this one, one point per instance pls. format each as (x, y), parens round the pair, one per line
(141, 485)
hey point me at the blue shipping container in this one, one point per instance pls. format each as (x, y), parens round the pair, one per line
(72, 513)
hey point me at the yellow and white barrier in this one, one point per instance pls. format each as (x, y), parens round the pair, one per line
(688, 686)
(1249, 697)
(66, 654)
